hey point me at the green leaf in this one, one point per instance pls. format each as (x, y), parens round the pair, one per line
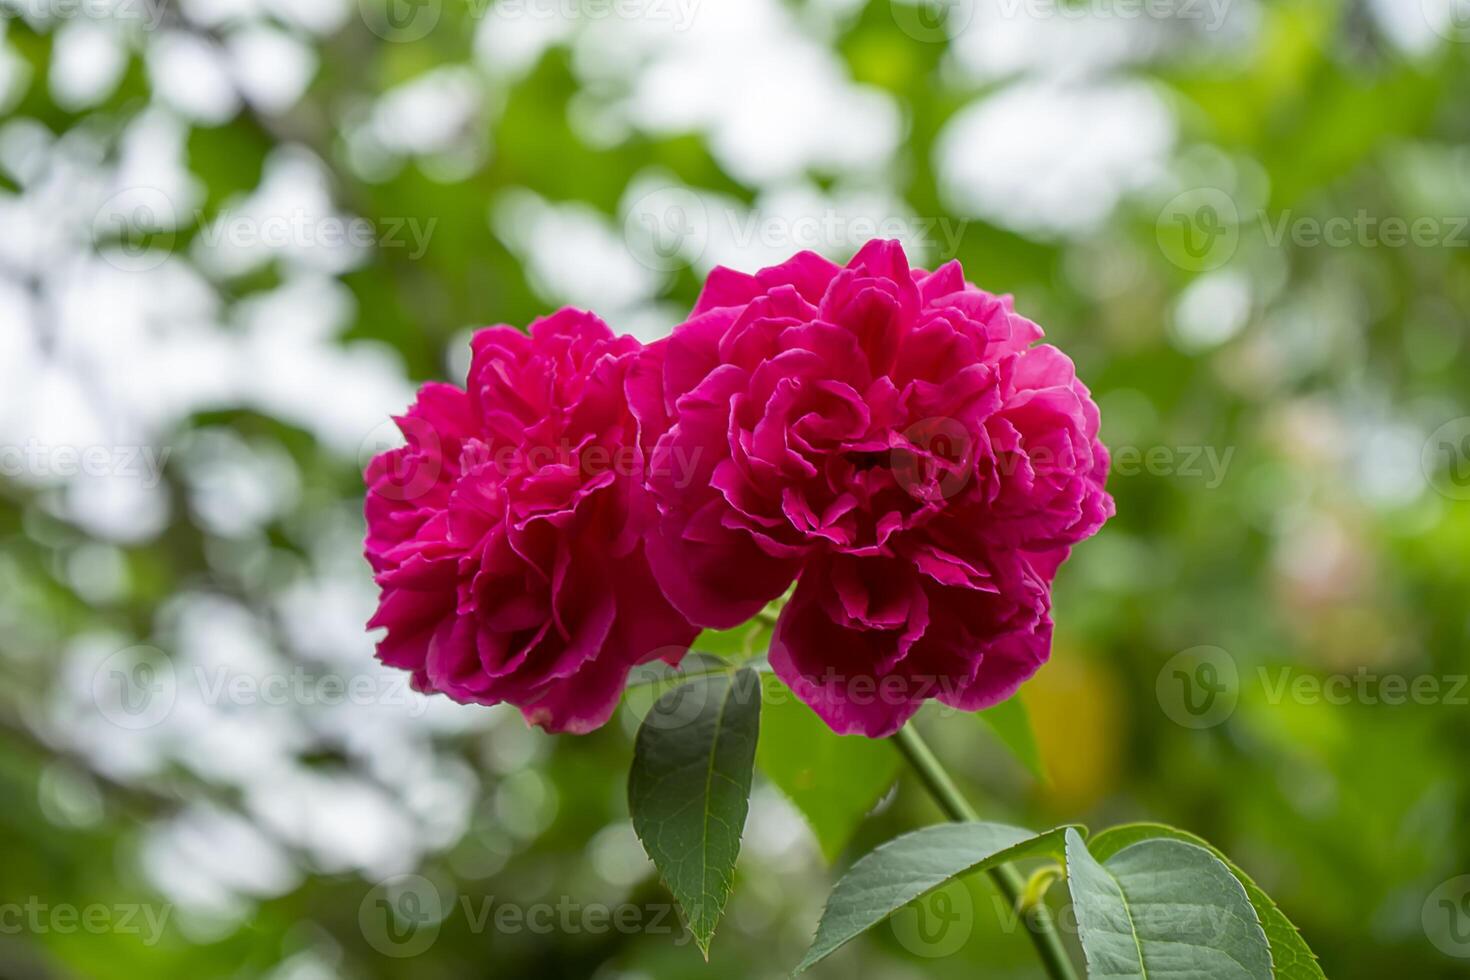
(651, 681)
(745, 641)
(911, 866)
(1164, 910)
(1011, 723)
(689, 789)
(1292, 957)
(834, 780)
(740, 643)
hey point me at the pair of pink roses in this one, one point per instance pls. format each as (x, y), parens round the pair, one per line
(893, 441)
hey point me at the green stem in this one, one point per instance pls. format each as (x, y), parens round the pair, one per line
(1038, 919)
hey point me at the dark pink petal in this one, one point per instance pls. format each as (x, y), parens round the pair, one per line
(506, 534)
(899, 440)
(833, 667)
(717, 577)
(725, 287)
(808, 272)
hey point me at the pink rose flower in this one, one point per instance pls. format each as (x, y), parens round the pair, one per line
(896, 443)
(503, 535)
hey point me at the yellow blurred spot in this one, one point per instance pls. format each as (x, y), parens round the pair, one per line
(1076, 710)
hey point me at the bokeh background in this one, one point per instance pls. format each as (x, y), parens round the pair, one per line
(235, 234)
